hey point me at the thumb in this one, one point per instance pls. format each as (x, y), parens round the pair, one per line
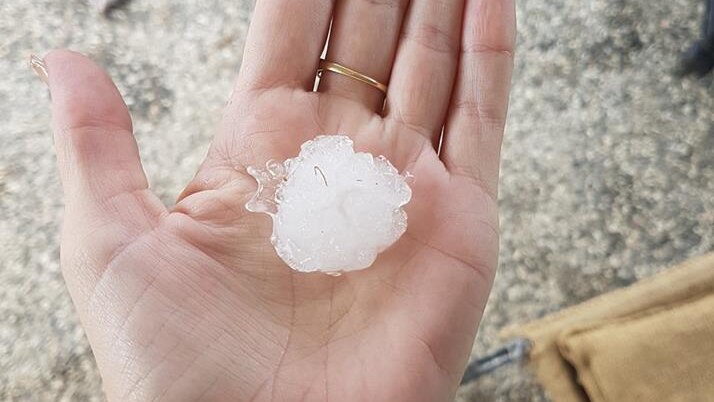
(107, 201)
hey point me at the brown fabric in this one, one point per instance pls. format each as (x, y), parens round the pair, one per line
(663, 355)
(689, 280)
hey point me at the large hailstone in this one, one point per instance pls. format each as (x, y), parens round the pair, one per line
(333, 209)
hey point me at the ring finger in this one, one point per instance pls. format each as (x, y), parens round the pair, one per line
(364, 38)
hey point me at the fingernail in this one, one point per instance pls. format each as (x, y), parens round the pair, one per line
(39, 67)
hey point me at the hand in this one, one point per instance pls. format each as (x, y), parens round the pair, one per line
(191, 302)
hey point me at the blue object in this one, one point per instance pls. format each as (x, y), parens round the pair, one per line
(699, 59)
(511, 352)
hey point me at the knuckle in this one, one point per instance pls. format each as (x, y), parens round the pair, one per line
(433, 37)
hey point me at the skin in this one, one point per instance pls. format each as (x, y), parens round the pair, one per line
(189, 302)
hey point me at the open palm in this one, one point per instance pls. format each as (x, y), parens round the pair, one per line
(192, 303)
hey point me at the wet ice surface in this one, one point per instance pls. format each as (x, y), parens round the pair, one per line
(333, 209)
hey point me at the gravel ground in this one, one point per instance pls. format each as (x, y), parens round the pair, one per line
(608, 171)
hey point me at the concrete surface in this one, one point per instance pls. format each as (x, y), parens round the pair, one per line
(608, 171)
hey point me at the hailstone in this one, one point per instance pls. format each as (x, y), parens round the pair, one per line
(333, 209)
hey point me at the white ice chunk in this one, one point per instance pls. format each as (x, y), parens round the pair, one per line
(333, 209)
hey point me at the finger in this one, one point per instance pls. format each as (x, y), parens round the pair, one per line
(364, 38)
(425, 65)
(284, 43)
(474, 128)
(102, 177)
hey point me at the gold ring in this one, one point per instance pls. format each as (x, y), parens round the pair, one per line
(348, 72)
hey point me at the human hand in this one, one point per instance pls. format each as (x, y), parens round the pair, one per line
(191, 302)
